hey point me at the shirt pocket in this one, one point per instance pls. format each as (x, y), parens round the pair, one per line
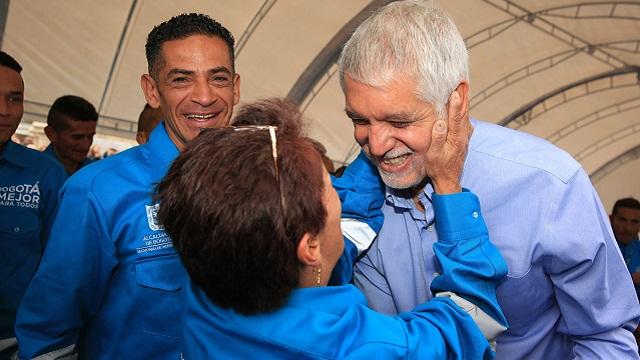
(20, 233)
(20, 252)
(160, 280)
(20, 225)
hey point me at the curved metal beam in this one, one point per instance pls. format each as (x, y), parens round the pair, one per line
(595, 10)
(329, 54)
(525, 113)
(608, 140)
(116, 57)
(628, 49)
(546, 63)
(613, 164)
(600, 114)
(494, 30)
(251, 28)
(489, 33)
(520, 13)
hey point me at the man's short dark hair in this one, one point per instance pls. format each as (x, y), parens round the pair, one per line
(8, 61)
(180, 27)
(220, 203)
(629, 203)
(70, 107)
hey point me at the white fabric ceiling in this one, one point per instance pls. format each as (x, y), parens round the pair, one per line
(559, 69)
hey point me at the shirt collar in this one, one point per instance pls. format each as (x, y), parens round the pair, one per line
(51, 152)
(15, 154)
(400, 198)
(162, 152)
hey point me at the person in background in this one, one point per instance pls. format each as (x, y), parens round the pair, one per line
(625, 222)
(568, 293)
(109, 152)
(95, 152)
(29, 185)
(71, 125)
(147, 121)
(288, 241)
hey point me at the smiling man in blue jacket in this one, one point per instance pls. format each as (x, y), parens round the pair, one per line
(108, 286)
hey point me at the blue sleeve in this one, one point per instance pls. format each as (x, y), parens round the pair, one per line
(436, 329)
(361, 193)
(72, 278)
(471, 265)
(440, 329)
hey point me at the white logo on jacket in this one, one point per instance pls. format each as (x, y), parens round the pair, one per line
(152, 217)
(22, 195)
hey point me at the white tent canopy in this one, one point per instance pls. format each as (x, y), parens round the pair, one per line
(562, 70)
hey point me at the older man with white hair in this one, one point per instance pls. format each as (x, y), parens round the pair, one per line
(568, 293)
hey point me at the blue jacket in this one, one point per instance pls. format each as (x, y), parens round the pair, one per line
(110, 278)
(29, 185)
(335, 322)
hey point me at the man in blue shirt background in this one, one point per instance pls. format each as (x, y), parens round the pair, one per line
(567, 294)
(29, 185)
(625, 222)
(71, 125)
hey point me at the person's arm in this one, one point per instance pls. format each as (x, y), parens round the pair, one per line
(361, 193)
(457, 323)
(598, 305)
(71, 281)
(471, 265)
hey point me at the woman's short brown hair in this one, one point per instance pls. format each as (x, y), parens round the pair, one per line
(220, 203)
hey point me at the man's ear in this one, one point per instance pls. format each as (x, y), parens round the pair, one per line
(463, 92)
(150, 90)
(309, 250)
(51, 133)
(236, 89)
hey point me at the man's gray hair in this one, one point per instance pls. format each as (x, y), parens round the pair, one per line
(413, 39)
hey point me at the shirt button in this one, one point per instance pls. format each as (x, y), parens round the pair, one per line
(475, 214)
(16, 229)
(430, 228)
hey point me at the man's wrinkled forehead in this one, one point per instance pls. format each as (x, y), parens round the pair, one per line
(163, 54)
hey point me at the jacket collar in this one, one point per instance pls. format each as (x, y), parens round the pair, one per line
(162, 152)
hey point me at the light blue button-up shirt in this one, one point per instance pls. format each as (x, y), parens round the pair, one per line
(568, 293)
